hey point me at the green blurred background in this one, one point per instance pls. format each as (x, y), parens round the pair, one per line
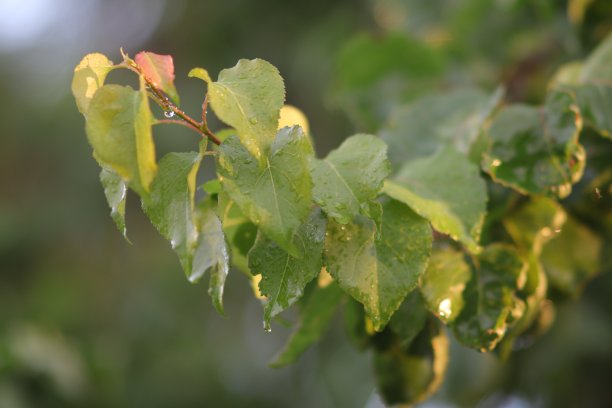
(88, 320)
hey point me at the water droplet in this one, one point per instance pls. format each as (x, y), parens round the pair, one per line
(169, 114)
(444, 308)
(267, 327)
(253, 121)
(495, 163)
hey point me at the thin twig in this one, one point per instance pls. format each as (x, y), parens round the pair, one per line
(168, 106)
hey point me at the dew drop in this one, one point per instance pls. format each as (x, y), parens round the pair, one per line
(169, 114)
(444, 308)
(267, 327)
(253, 121)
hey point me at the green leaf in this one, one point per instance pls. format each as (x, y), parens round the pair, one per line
(534, 223)
(536, 150)
(379, 271)
(437, 120)
(595, 103)
(284, 277)
(407, 376)
(314, 320)
(210, 253)
(374, 73)
(275, 193)
(447, 190)
(443, 283)
(240, 232)
(597, 66)
(572, 257)
(350, 177)
(159, 69)
(170, 206)
(119, 130)
(88, 77)
(195, 234)
(248, 97)
(355, 324)
(410, 319)
(489, 298)
(115, 191)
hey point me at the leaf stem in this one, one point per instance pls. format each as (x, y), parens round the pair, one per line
(168, 106)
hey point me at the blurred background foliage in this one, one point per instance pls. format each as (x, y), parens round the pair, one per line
(88, 320)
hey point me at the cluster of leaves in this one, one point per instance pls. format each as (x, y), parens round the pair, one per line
(388, 226)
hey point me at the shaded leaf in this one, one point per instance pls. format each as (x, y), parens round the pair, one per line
(195, 234)
(407, 376)
(595, 103)
(350, 177)
(170, 206)
(88, 77)
(248, 97)
(210, 253)
(119, 130)
(446, 189)
(115, 191)
(597, 66)
(284, 277)
(423, 127)
(443, 283)
(315, 317)
(355, 324)
(409, 320)
(275, 193)
(534, 223)
(159, 69)
(572, 257)
(379, 271)
(489, 298)
(536, 150)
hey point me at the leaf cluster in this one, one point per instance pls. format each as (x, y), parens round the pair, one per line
(449, 216)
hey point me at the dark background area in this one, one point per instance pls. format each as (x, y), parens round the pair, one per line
(87, 319)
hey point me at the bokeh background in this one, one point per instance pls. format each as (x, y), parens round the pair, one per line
(88, 320)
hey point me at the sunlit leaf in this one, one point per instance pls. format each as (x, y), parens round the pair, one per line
(379, 270)
(248, 97)
(443, 283)
(284, 277)
(88, 77)
(159, 69)
(446, 188)
(315, 317)
(119, 129)
(350, 177)
(275, 193)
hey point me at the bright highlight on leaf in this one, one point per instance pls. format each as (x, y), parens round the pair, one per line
(89, 76)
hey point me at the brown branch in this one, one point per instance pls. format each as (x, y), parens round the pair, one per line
(168, 106)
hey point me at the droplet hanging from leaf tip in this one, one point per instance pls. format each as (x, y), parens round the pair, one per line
(266, 326)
